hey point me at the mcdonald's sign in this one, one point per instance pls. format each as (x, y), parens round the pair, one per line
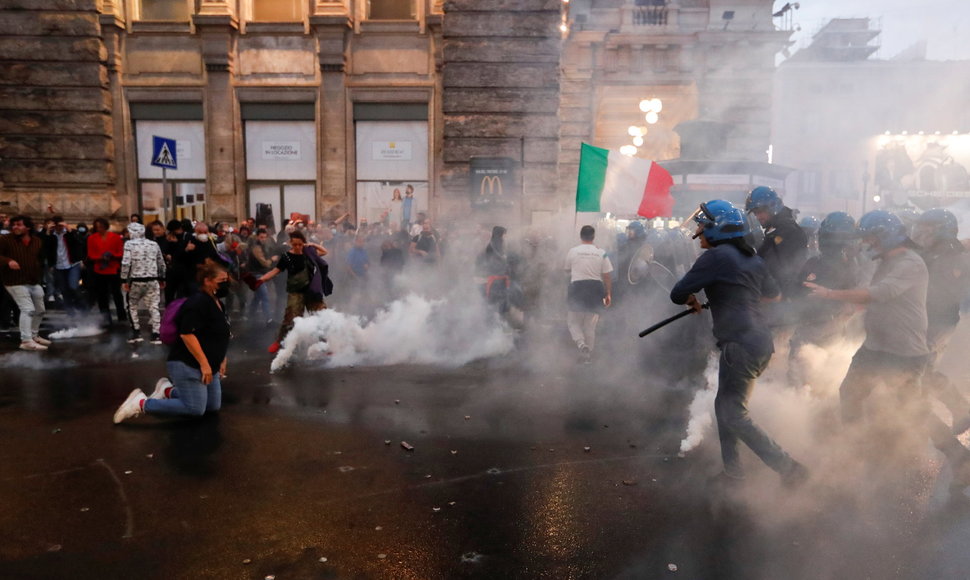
(491, 186)
(493, 181)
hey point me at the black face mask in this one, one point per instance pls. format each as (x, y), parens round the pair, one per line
(223, 290)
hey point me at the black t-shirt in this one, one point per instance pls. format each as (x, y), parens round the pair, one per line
(426, 243)
(292, 264)
(201, 316)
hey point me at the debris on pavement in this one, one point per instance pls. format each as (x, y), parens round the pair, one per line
(407, 446)
(672, 567)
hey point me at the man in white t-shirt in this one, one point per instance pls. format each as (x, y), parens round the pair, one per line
(589, 290)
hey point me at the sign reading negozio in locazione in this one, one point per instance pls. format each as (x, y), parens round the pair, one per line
(282, 150)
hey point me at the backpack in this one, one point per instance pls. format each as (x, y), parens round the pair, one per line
(169, 330)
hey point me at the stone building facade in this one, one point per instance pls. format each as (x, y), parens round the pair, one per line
(326, 107)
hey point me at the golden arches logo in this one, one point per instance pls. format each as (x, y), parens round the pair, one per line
(493, 182)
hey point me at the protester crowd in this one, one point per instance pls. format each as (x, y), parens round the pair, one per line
(122, 275)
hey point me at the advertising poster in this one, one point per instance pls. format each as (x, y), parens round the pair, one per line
(391, 202)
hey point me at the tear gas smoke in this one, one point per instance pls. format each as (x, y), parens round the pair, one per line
(77, 332)
(410, 330)
(701, 408)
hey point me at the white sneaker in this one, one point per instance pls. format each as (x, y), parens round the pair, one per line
(160, 387)
(31, 345)
(131, 408)
(42, 341)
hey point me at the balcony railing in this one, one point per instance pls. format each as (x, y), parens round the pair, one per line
(650, 13)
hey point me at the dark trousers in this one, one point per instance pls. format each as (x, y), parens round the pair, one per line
(738, 370)
(9, 313)
(67, 282)
(106, 288)
(903, 378)
(936, 383)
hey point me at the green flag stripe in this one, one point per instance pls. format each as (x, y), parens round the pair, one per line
(592, 177)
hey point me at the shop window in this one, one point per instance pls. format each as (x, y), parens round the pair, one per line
(281, 165)
(278, 10)
(391, 10)
(157, 200)
(164, 10)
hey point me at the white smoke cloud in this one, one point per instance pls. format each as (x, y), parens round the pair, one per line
(412, 330)
(701, 408)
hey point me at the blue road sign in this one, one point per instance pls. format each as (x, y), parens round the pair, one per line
(164, 153)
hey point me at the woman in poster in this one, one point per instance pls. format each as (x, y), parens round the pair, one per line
(392, 212)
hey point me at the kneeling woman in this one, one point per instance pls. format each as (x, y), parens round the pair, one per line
(196, 360)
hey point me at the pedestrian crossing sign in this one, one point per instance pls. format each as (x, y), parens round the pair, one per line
(164, 152)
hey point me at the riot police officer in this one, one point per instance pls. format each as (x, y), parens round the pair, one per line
(822, 323)
(785, 246)
(948, 263)
(736, 281)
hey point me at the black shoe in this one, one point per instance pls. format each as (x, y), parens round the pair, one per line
(156, 339)
(135, 336)
(796, 477)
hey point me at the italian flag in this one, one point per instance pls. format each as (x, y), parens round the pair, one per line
(622, 185)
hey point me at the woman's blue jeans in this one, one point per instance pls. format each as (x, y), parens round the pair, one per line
(189, 396)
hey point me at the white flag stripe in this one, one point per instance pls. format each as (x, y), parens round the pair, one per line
(626, 179)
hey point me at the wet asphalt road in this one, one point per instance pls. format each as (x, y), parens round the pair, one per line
(295, 478)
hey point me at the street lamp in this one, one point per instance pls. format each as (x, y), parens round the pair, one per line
(652, 108)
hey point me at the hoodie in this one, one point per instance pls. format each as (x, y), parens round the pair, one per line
(142, 260)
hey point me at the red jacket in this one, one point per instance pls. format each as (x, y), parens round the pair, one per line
(111, 244)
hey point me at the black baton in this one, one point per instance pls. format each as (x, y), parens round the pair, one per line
(667, 321)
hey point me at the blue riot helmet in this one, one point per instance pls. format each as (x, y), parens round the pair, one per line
(935, 225)
(909, 217)
(763, 198)
(836, 231)
(810, 224)
(637, 230)
(721, 220)
(885, 227)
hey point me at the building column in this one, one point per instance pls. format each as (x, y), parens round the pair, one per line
(126, 187)
(216, 24)
(331, 22)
